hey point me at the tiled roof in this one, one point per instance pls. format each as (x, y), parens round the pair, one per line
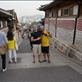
(4, 13)
(54, 3)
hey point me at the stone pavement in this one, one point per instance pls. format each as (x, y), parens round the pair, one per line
(61, 69)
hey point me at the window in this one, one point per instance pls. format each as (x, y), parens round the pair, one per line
(47, 14)
(50, 14)
(6, 23)
(59, 13)
(75, 10)
(1, 23)
(53, 13)
(66, 12)
(71, 11)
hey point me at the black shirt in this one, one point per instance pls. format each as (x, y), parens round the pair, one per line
(36, 35)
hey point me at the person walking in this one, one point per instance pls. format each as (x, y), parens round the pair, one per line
(45, 45)
(11, 46)
(29, 37)
(3, 49)
(36, 42)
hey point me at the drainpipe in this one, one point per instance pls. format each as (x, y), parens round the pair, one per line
(74, 35)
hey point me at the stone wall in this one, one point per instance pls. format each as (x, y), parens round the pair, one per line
(67, 50)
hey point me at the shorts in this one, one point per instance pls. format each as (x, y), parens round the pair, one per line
(36, 49)
(45, 49)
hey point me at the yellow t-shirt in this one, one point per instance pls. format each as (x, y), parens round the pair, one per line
(11, 44)
(45, 39)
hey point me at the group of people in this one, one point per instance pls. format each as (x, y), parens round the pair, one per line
(8, 44)
(39, 40)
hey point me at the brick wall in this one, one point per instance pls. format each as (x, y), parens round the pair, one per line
(65, 31)
(78, 41)
(79, 24)
(66, 23)
(65, 27)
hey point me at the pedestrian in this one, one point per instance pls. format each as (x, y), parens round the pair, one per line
(11, 46)
(45, 45)
(29, 37)
(3, 49)
(15, 38)
(36, 42)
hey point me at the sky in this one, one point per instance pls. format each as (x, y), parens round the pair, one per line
(24, 8)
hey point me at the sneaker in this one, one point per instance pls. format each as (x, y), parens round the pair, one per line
(49, 61)
(33, 62)
(15, 61)
(44, 60)
(4, 70)
(10, 62)
(39, 61)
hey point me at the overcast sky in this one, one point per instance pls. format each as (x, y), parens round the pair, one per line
(24, 8)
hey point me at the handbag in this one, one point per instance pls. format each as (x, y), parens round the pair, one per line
(3, 49)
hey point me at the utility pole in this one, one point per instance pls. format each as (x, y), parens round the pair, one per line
(74, 35)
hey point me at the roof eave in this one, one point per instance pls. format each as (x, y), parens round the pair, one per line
(5, 13)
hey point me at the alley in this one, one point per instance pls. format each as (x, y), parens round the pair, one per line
(60, 69)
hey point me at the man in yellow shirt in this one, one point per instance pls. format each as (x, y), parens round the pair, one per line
(45, 44)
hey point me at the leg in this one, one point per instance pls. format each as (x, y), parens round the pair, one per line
(3, 57)
(30, 43)
(10, 56)
(34, 52)
(15, 55)
(44, 54)
(39, 53)
(33, 58)
(48, 56)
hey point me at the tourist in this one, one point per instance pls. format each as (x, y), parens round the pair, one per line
(45, 45)
(36, 42)
(11, 46)
(3, 49)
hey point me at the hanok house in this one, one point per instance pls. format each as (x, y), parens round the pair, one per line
(64, 20)
(4, 15)
(15, 19)
(8, 17)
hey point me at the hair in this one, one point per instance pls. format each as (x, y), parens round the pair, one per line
(10, 35)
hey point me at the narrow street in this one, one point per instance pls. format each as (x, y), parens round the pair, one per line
(59, 23)
(60, 69)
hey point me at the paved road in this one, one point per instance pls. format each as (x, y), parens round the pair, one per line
(24, 46)
(59, 70)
